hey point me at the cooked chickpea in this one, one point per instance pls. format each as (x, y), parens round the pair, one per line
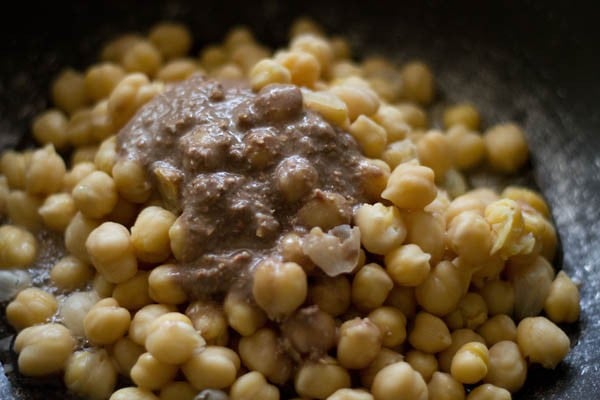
(57, 211)
(562, 303)
(506, 147)
(443, 386)
(393, 121)
(106, 157)
(470, 363)
(400, 152)
(247, 55)
(142, 57)
(498, 328)
(370, 287)
(253, 385)
(76, 234)
(18, 247)
(433, 150)
(424, 363)
(399, 380)
(80, 134)
(50, 127)
(407, 265)
(320, 379)
(403, 298)
(429, 333)
(461, 114)
(325, 209)
(328, 105)
(279, 288)
(131, 182)
(171, 39)
(384, 358)
(499, 297)
(178, 391)
(426, 230)
(443, 288)
(209, 320)
(331, 294)
(75, 174)
(418, 82)
(359, 99)
(101, 79)
(151, 374)
(489, 392)
(359, 343)
(470, 236)
(392, 325)
(115, 49)
(43, 349)
(244, 317)
(304, 68)
(13, 167)
(95, 195)
(131, 93)
(527, 196)
(177, 70)
(150, 234)
(106, 322)
(370, 136)
(32, 306)
(102, 287)
(375, 180)
(410, 186)
(263, 352)
(507, 367)
(542, 342)
(163, 287)
(4, 191)
(22, 209)
(382, 228)
(133, 393)
(459, 338)
(125, 353)
(266, 72)
(73, 308)
(213, 367)
(171, 338)
(112, 252)
(68, 91)
(531, 283)
(470, 313)
(70, 273)
(90, 373)
(467, 147)
(133, 294)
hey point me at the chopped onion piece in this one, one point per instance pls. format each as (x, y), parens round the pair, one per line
(335, 252)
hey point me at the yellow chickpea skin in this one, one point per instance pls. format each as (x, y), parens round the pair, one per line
(359, 99)
(382, 228)
(18, 247)
(429, 333)
(213, 367)
(418, 82)
(327, 104)
(57, 211)
(424, 363)
(80, 134)
(112, 252)
(162, 286)
(13, 167)
(263, 352)
(150, 234)
(253, 385)
(131, 182)
(76, 234)
(407, 265)
(125, 353)
(562, 303)
(171, 338)
(95, 195)
(244, 317)
(403, 298)
(150, 374)
(73, 308)
(443, 386)
(370, 287)
(133, 393)
(489, 392)
(75, 174)
(542, 342)
(91, 374)
(393, 121)
(370, 136)
(507, 367)
(43, 349)
(359, 343)
(498, 328)
(304, 68)
(279, 288)
(506, 147)
(70, 273)
(68, 91)
(399, 381)
(320, 379)
(470, 236)
(178, 390)
(171, 39)
(527, 196)
(50, 127)
(101, 79)
(434, 151)
(410, 186)
(459, 338)
(106, 322)
(470, 363)
(32, 306)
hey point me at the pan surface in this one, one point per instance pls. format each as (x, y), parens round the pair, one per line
(530, 62)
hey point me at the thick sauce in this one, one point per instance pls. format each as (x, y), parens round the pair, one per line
(242, 169)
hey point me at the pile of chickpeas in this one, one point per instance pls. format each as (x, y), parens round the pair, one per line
(454, 295)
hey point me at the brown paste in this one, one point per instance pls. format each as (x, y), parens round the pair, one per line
(241, 169)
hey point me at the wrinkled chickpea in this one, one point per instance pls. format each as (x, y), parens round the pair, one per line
(18, 247)
(399, 380)
(32, 306)
(43, 349)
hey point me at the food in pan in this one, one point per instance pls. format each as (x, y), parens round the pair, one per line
(250, 224)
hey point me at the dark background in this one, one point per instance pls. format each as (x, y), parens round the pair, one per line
(533, 62)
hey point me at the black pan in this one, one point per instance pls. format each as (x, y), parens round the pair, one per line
(532, 62)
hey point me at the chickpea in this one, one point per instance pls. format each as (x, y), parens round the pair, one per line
(32, 306)
(489, 392)
(106, 157)
(263, 352)
(95, 195)
(114, 50)
(375, 179)
(13, 167)
(325, 209)
(470, 363)
(124, 213)
(433, 150)
(470, 236)
(506, 147)
(542, 342)
(43, 349)
(424, 363)
(142, 57)
(382, 228)
(213, 367)
(50, 127)
(507, 367)
(253, 385)
(150, 234)
(360, 100)
(464, 114)
(562, 302)
(57, 211)
(266, 72)
(400, 152)
(429, 333)
(162, 286)
(4, 191)
(90, 374)
(22, 209)
(443, 288)
(443, 386)
(304, 67)
(371, 137)
(178, 391)
(131, 93)
(133, 393)
(131, 181)
(399, 380)
(359, 343)
(244, 317)
(102, 287)
(125, 353)
(18, 247)
(526, 196)
(393, 121)
(310, 331)
(315, 45)
(279, 288)
(73, 309)
(531, 283)
(112, 252)
(370, 287)
(70, 273)
(102, 126)
(410, 186)
(471, 313)
(467, 147)
(331, 294)
(177, 70)
(76, 234)
(320, 379)
(331, 107)
(392, 325)
(228, 71)
(151, 374)
(403, 298)
(171, 338)
(407, 265)
(209, 320)
(418, 82)
(171, 39)
(80, 134)
(499, 297)
(459, 338)
(68, 91)
(106, 322)
(77, 173)
(101, 79)
(382, 360)
(498, 328)
(133, 294)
